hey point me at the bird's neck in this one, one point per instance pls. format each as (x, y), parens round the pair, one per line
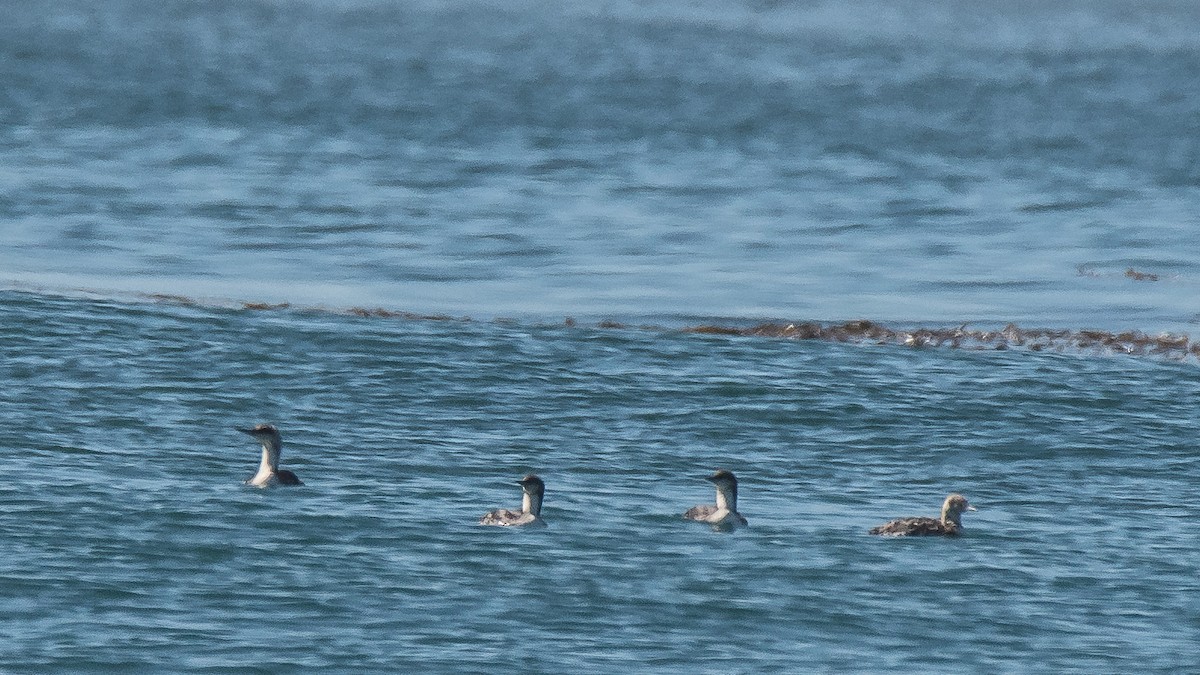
(726, 499)
(951, 517)
(531, 503)
(269, 464)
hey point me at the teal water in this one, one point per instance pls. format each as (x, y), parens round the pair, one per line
(130, 543)
(937, 162)
(585, 182)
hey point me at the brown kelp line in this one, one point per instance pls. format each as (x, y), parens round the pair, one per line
(862, 331)
(1011, 336)
(1130, 273)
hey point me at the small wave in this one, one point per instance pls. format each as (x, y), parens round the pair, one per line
(1064, 205)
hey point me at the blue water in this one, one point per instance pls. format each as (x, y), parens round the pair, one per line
(168, 166)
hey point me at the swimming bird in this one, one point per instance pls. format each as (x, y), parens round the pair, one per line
(532, 492)
(949, 525)
(269, 472)
(724, 515)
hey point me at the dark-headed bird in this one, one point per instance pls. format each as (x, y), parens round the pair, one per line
(724, 514)
(532, 492)
(269, 472)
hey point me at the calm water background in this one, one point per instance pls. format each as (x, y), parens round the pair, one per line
(934, 164)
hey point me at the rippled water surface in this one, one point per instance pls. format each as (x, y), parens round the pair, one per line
(219, 214)
(934, 162)
(130, 542)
